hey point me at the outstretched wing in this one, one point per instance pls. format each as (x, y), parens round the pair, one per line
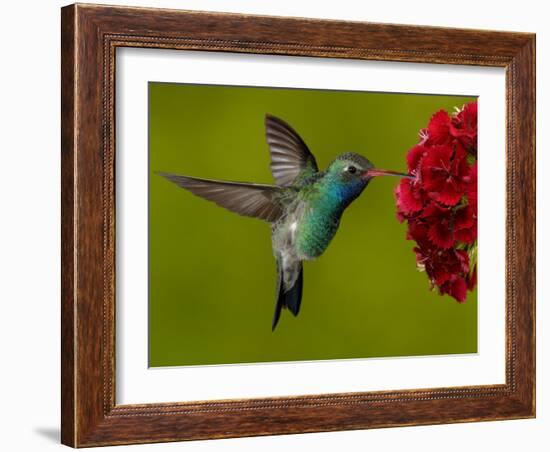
(251, 200)
(290, 156)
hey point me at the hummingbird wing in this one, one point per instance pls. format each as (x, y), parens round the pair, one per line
(251, 200)
(290, 156)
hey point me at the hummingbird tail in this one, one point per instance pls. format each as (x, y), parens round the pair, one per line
(288, 298)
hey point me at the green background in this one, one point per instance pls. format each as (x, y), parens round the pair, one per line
(211, 272)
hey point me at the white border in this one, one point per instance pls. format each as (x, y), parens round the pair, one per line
(135, 383)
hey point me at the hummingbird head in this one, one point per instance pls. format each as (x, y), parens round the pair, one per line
(350, 173)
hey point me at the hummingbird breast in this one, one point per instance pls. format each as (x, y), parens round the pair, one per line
(305, 232)
(308, 227)
(315, 231)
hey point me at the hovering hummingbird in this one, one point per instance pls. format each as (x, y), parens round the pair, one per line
(304, 207)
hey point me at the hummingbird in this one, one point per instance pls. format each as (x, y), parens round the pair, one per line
(304, 207)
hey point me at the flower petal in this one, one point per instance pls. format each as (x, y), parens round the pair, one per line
(441, 235)
(439, 128)
(414, 156)
(409, 200)
(456, 288)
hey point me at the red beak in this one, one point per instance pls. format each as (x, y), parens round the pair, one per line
(381, 172)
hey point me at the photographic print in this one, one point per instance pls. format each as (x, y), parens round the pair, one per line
(270, 225)
(300, 224)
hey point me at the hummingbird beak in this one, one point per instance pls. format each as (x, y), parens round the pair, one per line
(381, 172)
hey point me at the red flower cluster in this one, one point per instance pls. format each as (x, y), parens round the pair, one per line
(440, 203)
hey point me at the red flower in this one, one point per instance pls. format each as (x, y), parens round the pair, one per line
(439, 127)
(414, 156)
(464, 126)
(466, 224)
(442, 265)
(471, 180)
(456, 287)
(443, 172)
(440, 203)
(441, 221)
(418, 231)
(409, 196)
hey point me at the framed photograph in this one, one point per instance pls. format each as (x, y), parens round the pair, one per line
(281, 225)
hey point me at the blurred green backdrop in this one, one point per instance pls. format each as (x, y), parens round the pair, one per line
(211, 272)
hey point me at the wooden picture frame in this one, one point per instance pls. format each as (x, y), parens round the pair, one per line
(90, 36)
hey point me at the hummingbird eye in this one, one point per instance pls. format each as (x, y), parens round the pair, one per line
(351, 169)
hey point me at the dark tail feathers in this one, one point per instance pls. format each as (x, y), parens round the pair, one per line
(291, 299)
